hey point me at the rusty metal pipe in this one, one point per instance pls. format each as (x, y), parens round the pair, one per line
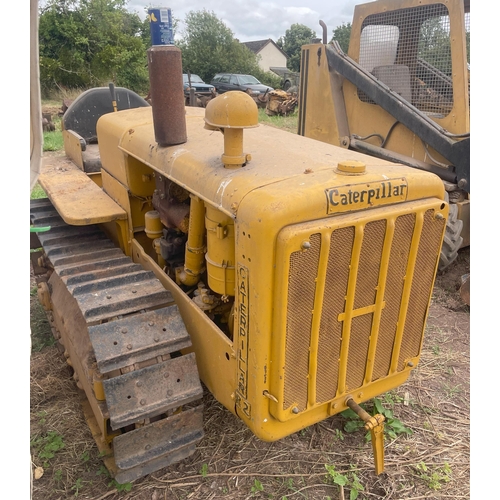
(362, 414)
(167, 94)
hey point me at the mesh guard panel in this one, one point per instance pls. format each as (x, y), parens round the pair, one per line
(378, 317)
(301, 290)
(394, 290)
(417, 307)
(330, 334)
(422, 76)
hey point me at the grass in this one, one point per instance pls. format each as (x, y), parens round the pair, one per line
(53, 141)
(288, 123)
(37, 192)
(41, 333)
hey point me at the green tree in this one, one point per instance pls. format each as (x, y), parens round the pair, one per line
(434, 45)
(208, 47)
(342, 35)
(291, 43)
(88, 43)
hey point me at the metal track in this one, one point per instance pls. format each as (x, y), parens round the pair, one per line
(123, 335)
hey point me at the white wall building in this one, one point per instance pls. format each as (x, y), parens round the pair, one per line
(270, 54)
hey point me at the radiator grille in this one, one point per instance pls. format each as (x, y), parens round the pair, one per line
(371, 295)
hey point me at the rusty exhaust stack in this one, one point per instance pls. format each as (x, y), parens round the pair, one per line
(167, 94)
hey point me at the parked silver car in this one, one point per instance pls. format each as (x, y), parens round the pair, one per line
(200, 87)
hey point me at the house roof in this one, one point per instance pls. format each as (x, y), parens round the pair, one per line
(258, 45)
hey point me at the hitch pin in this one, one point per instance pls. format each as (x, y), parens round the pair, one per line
(270, 396)
(375, 425)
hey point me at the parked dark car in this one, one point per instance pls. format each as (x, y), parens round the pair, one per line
(224, 82)
(200, 87)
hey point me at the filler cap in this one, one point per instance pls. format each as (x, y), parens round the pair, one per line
(352, 167)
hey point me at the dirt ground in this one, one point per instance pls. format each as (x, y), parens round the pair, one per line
(428, 457)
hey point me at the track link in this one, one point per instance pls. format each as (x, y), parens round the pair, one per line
(123, 335)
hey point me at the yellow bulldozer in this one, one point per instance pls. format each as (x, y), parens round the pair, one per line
(401, 93)
(290, 276)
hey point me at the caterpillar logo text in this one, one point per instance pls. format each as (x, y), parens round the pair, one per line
(354, 197)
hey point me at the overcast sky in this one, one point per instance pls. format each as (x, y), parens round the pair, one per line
(257, 20)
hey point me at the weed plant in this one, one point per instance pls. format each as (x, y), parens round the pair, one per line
(392, 426)
(47, 445)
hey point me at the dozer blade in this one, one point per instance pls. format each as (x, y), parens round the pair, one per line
(123, 335)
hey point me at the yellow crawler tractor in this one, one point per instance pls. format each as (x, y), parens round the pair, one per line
(401, 93)
(291, 277)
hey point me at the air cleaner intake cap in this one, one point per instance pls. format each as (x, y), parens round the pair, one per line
(233, 109)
